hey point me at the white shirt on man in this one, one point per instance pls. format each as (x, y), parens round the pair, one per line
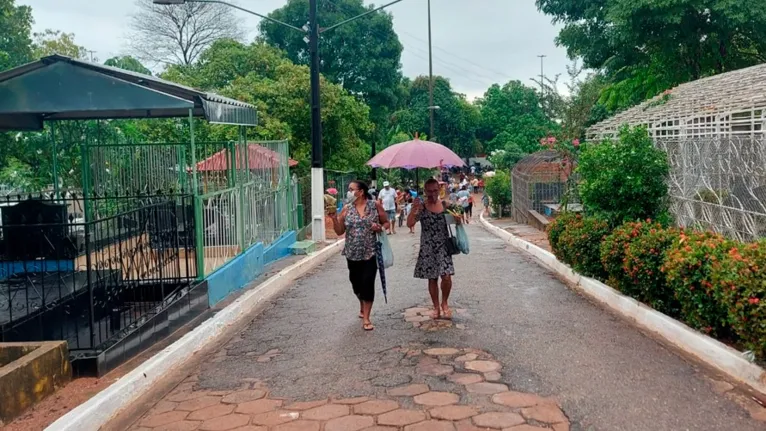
(388, 197)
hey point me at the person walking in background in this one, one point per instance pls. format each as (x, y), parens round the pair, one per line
(464, 199)
(361, 220)
(434, 261)
(387, 197)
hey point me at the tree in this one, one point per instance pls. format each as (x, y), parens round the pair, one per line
(499, 191)
(128, 63)
(363, 56)
(178, 34)
(624, 180)
(260, 74)
(51, 42)
(455, 122)
(15, 29)
(647, 46)
(513, 114)
(582, 108)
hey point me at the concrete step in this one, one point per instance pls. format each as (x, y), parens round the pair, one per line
(303, 247)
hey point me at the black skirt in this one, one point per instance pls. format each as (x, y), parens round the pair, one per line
(362, 274)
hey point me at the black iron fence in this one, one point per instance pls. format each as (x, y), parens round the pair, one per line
(90, 283)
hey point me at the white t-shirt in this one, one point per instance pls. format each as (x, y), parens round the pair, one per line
(389, 199)
(463, 196)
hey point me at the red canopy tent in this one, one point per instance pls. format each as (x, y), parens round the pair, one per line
(257, 157)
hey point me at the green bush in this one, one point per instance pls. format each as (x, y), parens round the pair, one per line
(499, 190)
(613, 250)
(556, 228)
(644, 260)
(580, 245)
(741, 276)
(624, 180)
(689, 266)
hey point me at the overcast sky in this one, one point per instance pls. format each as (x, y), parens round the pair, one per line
(476, 42)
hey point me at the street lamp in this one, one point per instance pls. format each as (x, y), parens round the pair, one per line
(313, 31)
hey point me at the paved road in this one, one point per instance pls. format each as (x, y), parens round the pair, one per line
(549, 341)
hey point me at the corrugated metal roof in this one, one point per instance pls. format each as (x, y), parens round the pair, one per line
(27, 106)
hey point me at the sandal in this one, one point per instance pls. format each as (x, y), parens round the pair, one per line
(368, 326)
(447, 313)
(435, 315)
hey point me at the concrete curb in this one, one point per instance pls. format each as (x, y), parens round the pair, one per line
(711, 352)
(97, 411)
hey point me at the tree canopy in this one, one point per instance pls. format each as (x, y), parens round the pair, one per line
(647, 46)
(15, 34)
(128, 63)
(51, 42)
(513, 115)
(363, 56)
(178, 34)
(260, 74)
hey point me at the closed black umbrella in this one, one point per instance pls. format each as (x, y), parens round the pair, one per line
(381, 268)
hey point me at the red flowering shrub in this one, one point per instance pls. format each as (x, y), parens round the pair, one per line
(644, 260)
(741, 276)
(580, 245)
(613, 250)
(689, 266)
(556, 228)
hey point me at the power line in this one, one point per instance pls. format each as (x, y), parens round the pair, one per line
(504, 75)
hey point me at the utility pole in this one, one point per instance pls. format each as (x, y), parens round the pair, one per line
(312, 32)
(542, 77)
(430, 77)
(91, 55)
(317, 165)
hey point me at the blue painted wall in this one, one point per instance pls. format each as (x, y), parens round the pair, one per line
(246, 267)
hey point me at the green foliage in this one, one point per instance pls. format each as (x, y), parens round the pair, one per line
(690, 265)
(261, 75)
(624, 180)
(15, 34)
(128, 63)
(506, 158)
(499, 190)
(455, 122)
(556, 228)
(645, 258)
(741, 275)
(645, 47)
(363, 55)
(582, 109)
(51, 42)
(513, 114)
(614, 251)
(579, 245)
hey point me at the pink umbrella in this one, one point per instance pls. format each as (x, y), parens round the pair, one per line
(416, 154)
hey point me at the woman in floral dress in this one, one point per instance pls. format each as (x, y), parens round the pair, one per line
(361, 220)
(434, 261)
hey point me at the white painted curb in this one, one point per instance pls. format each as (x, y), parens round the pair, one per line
(712, 352)
(97, 411)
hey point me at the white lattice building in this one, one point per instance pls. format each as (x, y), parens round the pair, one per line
(713, 132)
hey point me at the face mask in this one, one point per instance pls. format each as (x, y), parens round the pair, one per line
(350, 197)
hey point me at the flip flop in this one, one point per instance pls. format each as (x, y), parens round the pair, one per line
(447, 314)
(368, 327)
(435, 315)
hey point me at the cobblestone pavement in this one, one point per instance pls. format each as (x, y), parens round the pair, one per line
(524, 353)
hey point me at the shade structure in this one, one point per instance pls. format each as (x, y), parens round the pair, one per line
(416, 154)
(258, 157)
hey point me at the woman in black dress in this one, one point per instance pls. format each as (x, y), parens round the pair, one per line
(434, 262)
